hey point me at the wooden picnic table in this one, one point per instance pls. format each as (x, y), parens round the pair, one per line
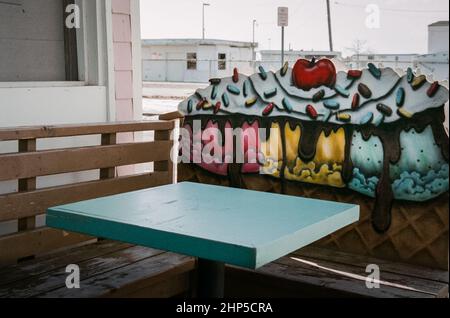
(219, 225)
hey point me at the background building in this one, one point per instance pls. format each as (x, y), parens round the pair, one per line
(395, 61)
(271, 59)
(436, 61)
(194, 60)
(438, 37)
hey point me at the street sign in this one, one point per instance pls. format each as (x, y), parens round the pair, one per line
(283, 16)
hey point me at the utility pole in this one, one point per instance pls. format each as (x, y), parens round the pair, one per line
(253, 42)
(283, 21)
(282, 46)
(330, 34)
(203, 19)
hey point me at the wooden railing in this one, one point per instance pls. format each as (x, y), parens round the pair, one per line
(29, 163)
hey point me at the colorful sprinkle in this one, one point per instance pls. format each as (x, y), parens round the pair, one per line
(384, 109)
(287, 105)
(418, 82)
(233, 89)
(284, 69)
(215, 81)
(262, 72)
(367, 119)
(364, 90)
(375, 71)
(189, 106)
(217, 107)
(344, 117)
(225, 99)
(207, 105)
(400, 99)
(318, 96)
(331, 104)
(198, 95)
(270, 93)
(250, 102)
(355, 101)
(214, 92)
(268, 110)
(235, 75)
(312, 112)
(342, 91)
(379, 121)
(245, 88)
(354, 74)
(200, 103)
(432, 90)
(409, 75)
(404, 113)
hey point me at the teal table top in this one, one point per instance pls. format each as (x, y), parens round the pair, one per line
(234, 226)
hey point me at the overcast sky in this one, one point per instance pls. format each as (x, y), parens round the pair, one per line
(402, 23)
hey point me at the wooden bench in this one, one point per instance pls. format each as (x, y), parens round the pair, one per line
(318, 272)
(33, 259)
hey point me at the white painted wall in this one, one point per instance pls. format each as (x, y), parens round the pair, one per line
(168, 62)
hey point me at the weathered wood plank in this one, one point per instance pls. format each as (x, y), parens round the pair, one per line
(19, 205)
(164, 165)
(29, 184)
(42, 163)
(334, 282)
(172, 286)
(171, 116)
(132, 277)
(51, 262)
(47, 282)
(351, 278)
(35, 242)
(362, 261)
(17, 133)
(108, 173)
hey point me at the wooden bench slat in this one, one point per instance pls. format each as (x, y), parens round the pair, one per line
(49, 162)
(19, 205)
(52, 131)
(29, 184)
(176, 285)
(50, 262)
(327, 280)
(124, 280)
(363, 260)
(35, 242)
(352, 279)
(55, 279)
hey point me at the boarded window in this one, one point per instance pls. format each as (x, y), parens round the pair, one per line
(34, 43)
(222, 61)
(191, 61)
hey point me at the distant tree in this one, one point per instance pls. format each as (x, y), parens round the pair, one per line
(359, 47)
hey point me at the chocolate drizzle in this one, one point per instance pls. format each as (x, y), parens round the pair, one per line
(308, 141)
(388, 133)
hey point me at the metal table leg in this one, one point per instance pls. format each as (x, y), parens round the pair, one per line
(211, 276)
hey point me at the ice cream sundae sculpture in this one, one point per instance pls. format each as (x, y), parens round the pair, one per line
(369, 130)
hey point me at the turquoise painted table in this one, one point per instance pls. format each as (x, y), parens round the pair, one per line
(219, 225)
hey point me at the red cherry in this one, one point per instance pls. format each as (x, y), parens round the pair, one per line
(311, 74)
